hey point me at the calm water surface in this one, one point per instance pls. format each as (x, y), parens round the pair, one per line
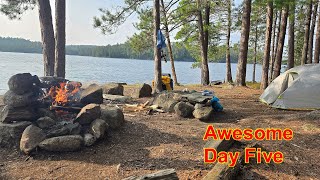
(103, 70)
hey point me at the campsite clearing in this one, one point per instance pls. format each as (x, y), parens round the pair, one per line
(148, 143)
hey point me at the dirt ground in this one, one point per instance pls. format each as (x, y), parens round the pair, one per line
(148, 143)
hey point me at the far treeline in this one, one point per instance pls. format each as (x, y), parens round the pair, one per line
(125, 50)
(202, 27)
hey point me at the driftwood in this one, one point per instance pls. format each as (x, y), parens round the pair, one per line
(168, 174)
(141, 107)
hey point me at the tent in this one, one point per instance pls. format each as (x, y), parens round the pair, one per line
(296, 89)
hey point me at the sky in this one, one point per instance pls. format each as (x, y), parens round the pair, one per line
(79, 24)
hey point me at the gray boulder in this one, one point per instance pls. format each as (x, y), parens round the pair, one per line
(144, 90)
(15, 100)
(113, 89)
(10, 114)
(92, 94)
(99, 128)
(204, 113)
(183, 109)
(45, 122)
(121, 99)
(74, 128)
(57, 130)
(45, 112)
(113, 116)
(62, 143)
(167, 101)
(88, 114)
(10, 134)
(198, 106)
(22, 83)
(31, 137)
(89, 139)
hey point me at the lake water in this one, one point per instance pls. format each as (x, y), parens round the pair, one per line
(103, 70)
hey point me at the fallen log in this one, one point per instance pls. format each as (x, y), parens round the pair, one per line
(168, 174)
(222, 171)
(219, 145)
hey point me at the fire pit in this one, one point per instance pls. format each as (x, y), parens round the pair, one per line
(54, 114)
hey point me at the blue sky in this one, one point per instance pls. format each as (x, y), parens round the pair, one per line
(79, 20)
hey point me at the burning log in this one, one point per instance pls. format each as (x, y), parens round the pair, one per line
(64, 108)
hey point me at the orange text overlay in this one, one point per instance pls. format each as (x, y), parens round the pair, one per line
(211, 155)
(248, 134)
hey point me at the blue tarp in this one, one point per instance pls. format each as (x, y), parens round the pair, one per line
(161, 41)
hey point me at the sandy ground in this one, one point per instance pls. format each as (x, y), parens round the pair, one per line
(148, 143)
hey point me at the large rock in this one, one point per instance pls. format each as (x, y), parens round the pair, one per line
(9, 114)
(113, 89)
(121, 99)
(88, 113)
(183, 109)
(45, 112)
(31, 137)
(92, 94)
(57, 130)
(45, 122)
(204, 113)
(62, 143)
(15, 100)
(63, 128)
(113, 116)
(22, 83)
(99, 128)
(10, 134)
(74, 128)
(167, 100)
(89, 139)
(195, 97)
(198, 106)
(144, 90)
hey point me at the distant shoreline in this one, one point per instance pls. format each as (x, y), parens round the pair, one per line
(96, 56)
(117, 58)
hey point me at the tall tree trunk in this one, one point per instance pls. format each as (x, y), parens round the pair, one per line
(255, 52)
(282, 35)
(157, 54)
(47, 36)
(317, 43)
(273, 47)
(165, 22)
(313, 24)
(277, 43)
(228, 60)
(306, 35)
(243, 54)
(60, 37)
(203, 40)
(291, 38)
(266, 54)
(206, 78)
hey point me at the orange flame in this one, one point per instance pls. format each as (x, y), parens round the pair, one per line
(61, 95)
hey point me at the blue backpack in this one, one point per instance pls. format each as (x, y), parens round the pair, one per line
(215, 104)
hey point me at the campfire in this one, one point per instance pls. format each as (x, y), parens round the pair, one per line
(54, 114)
(65, 96)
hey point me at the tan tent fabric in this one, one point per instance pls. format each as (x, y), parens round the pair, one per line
(297, 88)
